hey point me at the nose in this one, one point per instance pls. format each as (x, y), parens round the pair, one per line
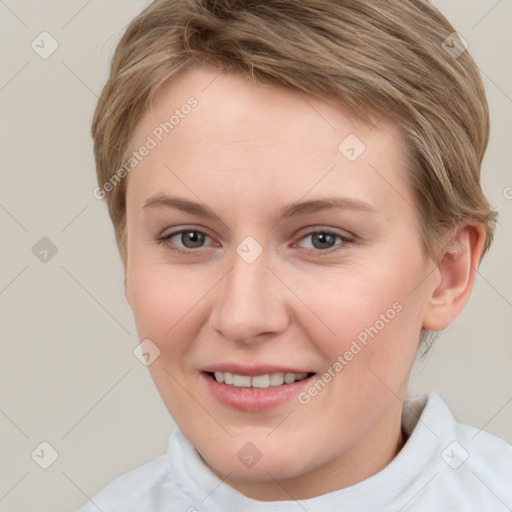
(250, 303)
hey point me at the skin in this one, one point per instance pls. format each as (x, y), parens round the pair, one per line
(246, 151)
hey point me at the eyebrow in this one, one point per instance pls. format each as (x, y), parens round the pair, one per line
(291, 210)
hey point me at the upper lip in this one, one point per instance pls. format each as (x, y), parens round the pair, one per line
(252, 371)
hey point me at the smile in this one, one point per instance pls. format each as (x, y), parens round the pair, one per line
(254, 389)
(258, 381)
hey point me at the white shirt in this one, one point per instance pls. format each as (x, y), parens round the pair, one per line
(443, 466)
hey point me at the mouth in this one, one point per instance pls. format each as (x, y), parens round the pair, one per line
(263, 381)
(254, 389)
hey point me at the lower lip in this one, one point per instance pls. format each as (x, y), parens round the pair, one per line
(253, 399)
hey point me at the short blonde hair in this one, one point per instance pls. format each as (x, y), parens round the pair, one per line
(396, 57)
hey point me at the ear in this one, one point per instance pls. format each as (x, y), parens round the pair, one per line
(457, 270)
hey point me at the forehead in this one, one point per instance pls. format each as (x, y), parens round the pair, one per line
(233, 106)
(242, 134)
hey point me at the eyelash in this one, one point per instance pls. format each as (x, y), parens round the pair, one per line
(164, 241)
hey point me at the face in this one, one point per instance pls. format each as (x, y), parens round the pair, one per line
(273, 244)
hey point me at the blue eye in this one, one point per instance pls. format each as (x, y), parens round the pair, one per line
(187, 240)
(190, 238)
(325, 240)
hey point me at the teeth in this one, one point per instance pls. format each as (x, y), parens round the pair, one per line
(242, 381)
(276, 379)
(289, 378)
(259, 381)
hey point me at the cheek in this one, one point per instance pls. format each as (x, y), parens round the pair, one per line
(368, 317)
(346, 302)
(167, 311)
(166, 304)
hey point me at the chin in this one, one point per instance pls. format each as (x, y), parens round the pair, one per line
(251, 464)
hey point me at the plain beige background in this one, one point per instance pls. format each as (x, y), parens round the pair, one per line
(68, 373)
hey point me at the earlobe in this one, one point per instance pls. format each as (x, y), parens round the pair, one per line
(457, 268)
